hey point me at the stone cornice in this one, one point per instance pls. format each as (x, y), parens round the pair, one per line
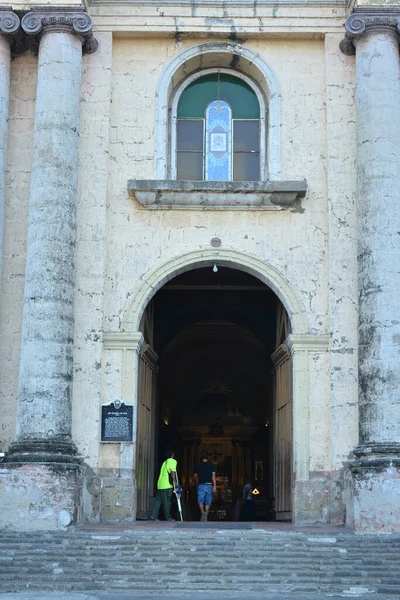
(123, 341)
(234, 3)
(9, 25)
(79, 23)
(238, 19)
(308, 343)
(365, 20)
(211, 195)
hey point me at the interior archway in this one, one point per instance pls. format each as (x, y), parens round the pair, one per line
(209, 360)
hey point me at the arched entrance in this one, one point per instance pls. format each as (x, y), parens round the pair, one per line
(215, 375)
(128, 343)
(137, 320)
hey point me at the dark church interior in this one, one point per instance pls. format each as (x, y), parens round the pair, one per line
(214, 330)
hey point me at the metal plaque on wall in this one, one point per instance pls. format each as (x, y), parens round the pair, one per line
(117, 422)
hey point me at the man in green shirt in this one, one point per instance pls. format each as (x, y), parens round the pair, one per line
(165, 487)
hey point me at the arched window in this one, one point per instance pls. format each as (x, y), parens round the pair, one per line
(218, 130)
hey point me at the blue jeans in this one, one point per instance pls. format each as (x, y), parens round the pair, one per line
(204, 494)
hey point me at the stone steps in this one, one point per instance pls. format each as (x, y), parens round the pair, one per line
(183, 565)
(72, 579)
(207, 560)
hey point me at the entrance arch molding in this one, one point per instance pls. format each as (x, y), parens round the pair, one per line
(264, 271)
(300, 342)
(129, 340)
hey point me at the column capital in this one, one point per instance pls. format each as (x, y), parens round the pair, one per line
(9, 25)
(363, 21)
(79, 23)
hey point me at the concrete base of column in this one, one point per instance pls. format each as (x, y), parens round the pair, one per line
(40, 497)
(373, 489)
(319, 499)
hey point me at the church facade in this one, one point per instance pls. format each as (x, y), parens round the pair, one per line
(200, 241)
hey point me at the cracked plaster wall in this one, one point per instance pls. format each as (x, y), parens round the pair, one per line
(91, 248)
(342, 226)
(296, 243)
(118, 241)
(270, 236)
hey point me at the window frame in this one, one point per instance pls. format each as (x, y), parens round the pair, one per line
(263, 117)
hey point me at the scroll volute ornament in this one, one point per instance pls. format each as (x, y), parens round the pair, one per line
(360, 22)
(9, 26)
(36, 23)
(9, 22)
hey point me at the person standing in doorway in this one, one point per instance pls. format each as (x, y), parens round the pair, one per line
(207, 484)
(165, 487)
(247, 507)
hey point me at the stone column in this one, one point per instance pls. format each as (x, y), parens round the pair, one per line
(373, 36)
(9, 26)
(43, 431)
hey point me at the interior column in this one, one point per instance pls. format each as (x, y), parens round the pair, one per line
(376, 471)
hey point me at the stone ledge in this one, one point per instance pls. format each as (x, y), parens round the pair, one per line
(337, 4)
(217, 195)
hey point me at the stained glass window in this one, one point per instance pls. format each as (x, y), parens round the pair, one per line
(218, 130)
(218, 151)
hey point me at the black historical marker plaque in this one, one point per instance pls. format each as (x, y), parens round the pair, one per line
(116, 422)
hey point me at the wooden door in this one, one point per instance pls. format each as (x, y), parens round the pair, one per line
(145, 417)
(283, 422)
(143, 437)
(283, 438)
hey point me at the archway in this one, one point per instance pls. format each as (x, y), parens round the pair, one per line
(129, 342)
(220, 386)
(263, 270)
(236, 434)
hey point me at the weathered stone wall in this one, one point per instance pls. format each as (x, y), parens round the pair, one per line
(376, 500)
(118, 242)
(36, 497)
(91, 249)
(342, 235)
(296, 243)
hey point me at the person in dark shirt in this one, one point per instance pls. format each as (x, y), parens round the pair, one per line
(207, 484)
(247, 509)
